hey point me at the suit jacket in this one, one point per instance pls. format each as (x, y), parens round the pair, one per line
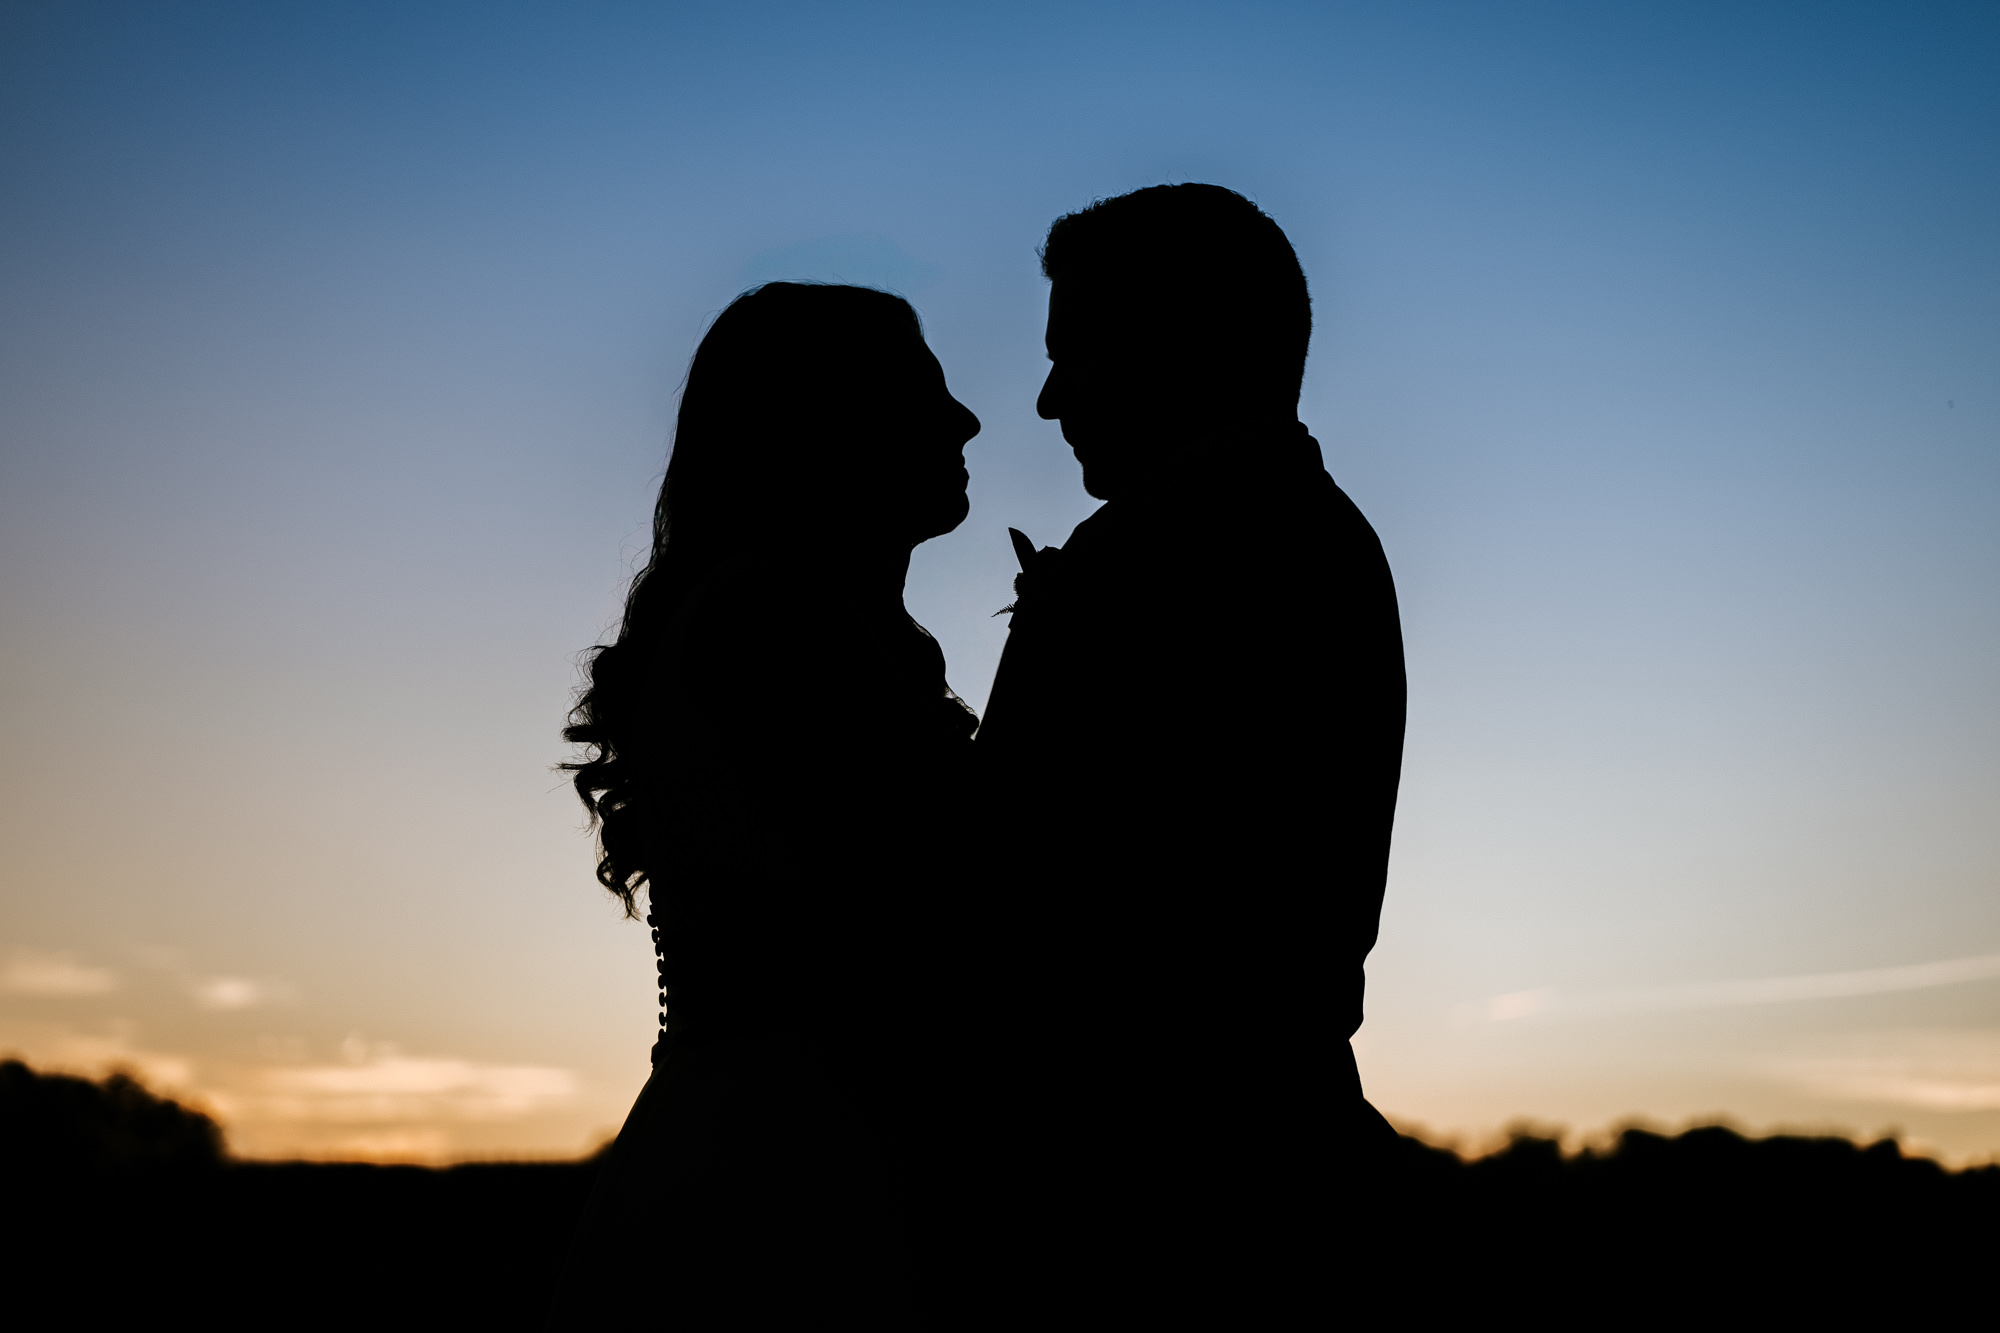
(1196, 734)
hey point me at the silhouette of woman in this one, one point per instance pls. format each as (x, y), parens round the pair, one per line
(771, 748)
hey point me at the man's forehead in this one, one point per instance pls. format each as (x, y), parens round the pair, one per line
(1083, 312)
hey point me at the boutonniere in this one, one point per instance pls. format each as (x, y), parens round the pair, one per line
(1037, 567)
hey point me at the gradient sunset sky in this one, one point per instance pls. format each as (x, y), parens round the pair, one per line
(339, 346)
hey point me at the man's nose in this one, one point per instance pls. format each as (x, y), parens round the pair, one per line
(1049, 405)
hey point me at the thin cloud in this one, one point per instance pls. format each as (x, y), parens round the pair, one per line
(376, 1103)
(1731, 994)
(224, 994)
(1933, 1071)
(59, 975)
(384, 1086)
(216, 994)
(392, 1145)
(63, 1050)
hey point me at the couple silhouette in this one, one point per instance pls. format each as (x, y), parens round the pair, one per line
(1036, 1020)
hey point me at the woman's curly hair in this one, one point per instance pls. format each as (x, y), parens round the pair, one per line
(751, 455)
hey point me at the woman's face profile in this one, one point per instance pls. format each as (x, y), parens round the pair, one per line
(911, 458)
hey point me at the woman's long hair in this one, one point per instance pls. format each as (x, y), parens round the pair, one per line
(767, 415)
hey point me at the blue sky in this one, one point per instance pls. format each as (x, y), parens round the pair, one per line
(338, 352)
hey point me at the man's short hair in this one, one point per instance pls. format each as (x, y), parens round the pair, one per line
(1200, 260)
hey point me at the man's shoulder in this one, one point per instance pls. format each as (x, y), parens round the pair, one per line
(1331, 513)
(1285, 518)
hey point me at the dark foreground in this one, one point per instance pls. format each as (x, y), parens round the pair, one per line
(121, 1210)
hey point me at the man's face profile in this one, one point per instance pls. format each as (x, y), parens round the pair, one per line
(1113, 385)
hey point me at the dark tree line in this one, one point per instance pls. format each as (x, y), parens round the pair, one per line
(122, 1207)
(1703, 1228)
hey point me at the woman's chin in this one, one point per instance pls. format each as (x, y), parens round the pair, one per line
(945, 518)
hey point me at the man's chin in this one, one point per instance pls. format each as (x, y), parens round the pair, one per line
(1107, 463)
(1100, 482)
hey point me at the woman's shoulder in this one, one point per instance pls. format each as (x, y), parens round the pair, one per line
(739, 617)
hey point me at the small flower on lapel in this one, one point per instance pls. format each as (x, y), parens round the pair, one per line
(1034, 567)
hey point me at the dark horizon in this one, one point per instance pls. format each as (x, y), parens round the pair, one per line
(339, 352)
(1798, 1224)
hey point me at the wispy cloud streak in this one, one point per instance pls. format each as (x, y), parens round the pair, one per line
(1731, 994)
(1934, 1070)
(30, 972)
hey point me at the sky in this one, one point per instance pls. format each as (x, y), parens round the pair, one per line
(339, 351)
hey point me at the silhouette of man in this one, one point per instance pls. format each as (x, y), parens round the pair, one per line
(1197, 731)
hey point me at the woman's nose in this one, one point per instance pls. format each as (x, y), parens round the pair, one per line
(967, 423)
